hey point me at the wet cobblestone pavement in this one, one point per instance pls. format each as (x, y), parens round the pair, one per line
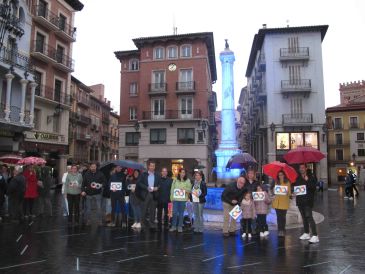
(48, 245)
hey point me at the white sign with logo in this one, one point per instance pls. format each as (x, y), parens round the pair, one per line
(116, 186)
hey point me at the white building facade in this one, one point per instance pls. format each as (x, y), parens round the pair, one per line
(283, 106)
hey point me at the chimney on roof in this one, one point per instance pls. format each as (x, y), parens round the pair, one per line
(264, 26)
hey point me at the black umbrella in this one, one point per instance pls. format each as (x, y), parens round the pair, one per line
(241, 160)
(106, 167)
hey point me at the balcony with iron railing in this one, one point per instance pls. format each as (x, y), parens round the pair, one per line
(297, 119)
(105, 119)
(172, 114)
(49, 93)
(354, 125)
(14, 116)
(53, 22)
(80, 136)
(47, 53)
(338, 144)
(157, 88)
(15, 59)
(296, 86)
(12, 23)
(83, 100)
(294, 54)
(185, 87)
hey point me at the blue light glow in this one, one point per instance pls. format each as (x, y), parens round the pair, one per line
(228, 145)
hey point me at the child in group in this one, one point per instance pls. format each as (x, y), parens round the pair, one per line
(262, 208)
(248, 214)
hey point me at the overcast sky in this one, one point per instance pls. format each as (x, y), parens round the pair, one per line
(110, 25)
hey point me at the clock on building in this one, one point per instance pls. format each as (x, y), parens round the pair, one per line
(172, 67)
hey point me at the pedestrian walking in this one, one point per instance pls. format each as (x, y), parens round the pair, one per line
(232, 195)
(64, 195)
(281, 202)
(198, 193)
(305, 204)
(44, 189)
(179, 195)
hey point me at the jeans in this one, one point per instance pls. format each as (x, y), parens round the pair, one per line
(93, 203)
(178, 209)
(198, 217)
(281, 219)
(246, 225)
(65, 206)
(307, 216)
(74, 207)
(162, 207)
(261, 223)
(105, 207)
(118, 201)
(229, 224)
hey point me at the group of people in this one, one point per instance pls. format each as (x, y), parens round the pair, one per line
(22, 189)
(350, 185)
(255, 210)
(149, 194)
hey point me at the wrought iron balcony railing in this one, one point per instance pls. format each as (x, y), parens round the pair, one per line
(51, 94)
(157, 87)
(297, 118)
(172, 114)
(185, 86)
(14, 58)
(296, 85)
(294, 53)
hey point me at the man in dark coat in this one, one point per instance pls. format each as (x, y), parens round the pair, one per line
(44, 189)
(92, 186)
(305, 203)
(147, 190)
(163, 199)
(232, 196)
(3, 187)
(117, 195)
(15, 192)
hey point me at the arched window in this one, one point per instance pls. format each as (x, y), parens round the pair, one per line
(134, 64)
(21, 16)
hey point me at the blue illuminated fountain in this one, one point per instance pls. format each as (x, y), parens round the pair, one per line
(228, 145)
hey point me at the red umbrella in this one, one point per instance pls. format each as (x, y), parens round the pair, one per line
(10, 159)
(32, 161)
(302, 155)
(272, 170)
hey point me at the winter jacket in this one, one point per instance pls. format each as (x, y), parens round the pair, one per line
(142, 186)
(73, 183)
(16, 186)
(202, 189)
(31, 183)
(263, 207)
(93, 182)
(164, 190)
(232, 192)
(282, 201)
(307, 199)
(251, 187)
(116, 178)
(176, 186)
(248, 209)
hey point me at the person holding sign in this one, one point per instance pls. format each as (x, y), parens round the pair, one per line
(179, 195)
(197, 197)
(72, 188)
(306, 188)
(262, 202)
(117, 184)
(249, 213)
(232, 196)
(282, 191)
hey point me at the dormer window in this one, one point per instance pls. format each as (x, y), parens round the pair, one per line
(158, 53)
(186, 51)
(134, 64)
